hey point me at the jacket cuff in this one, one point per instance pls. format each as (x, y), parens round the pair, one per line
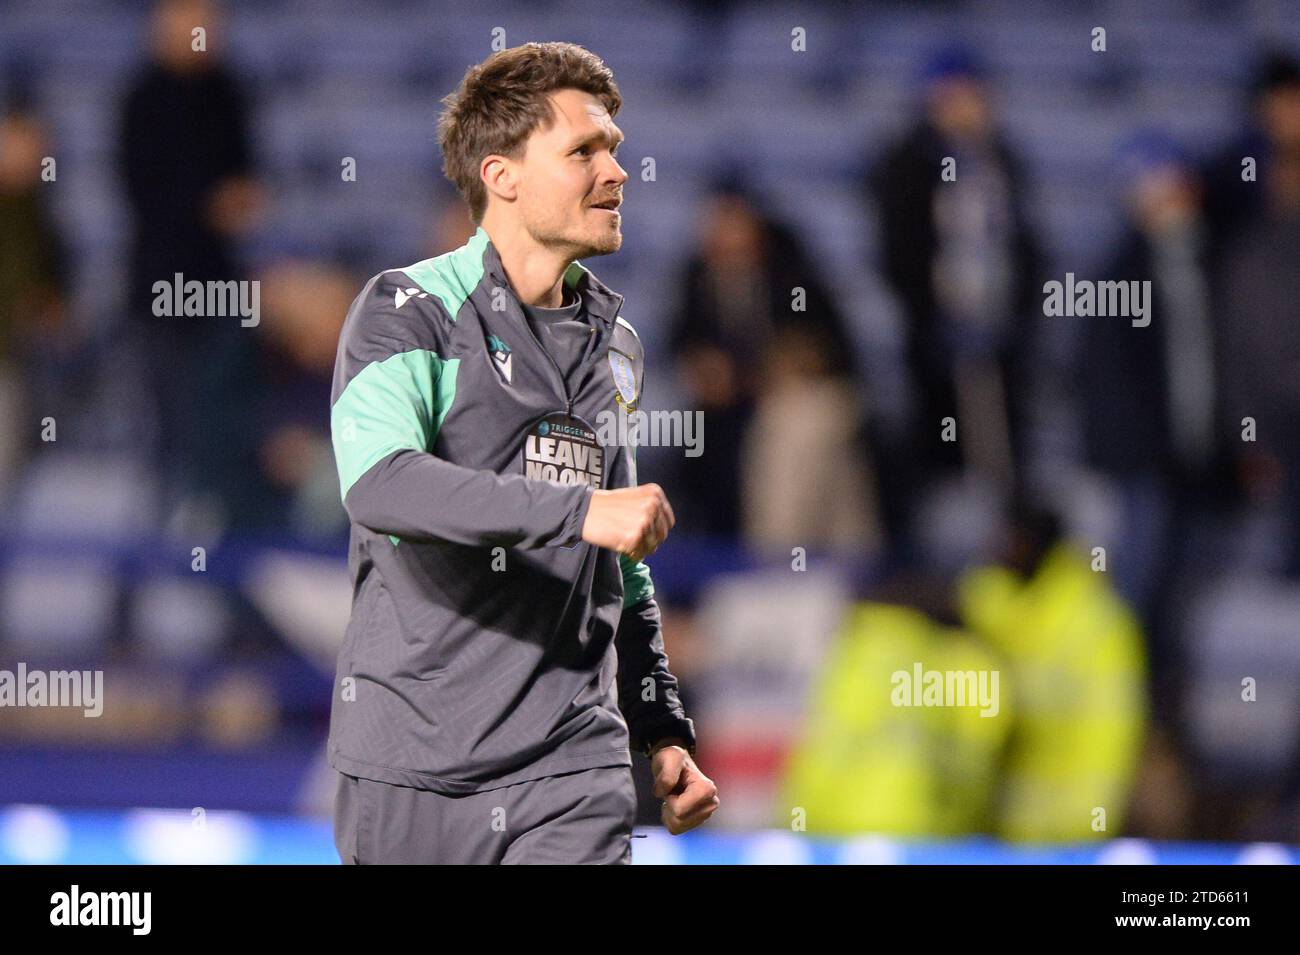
(572, 533)
(679, 726)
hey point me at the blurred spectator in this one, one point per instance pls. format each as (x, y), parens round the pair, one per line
(758, 357)
(1074, 654)
(1258, 230)
(186, 164)
(870, 761)
(294, 486)
(961, 259)
(1152, 400)
(805, 480)
(34, 330)
(452, 226)
(1271, 139)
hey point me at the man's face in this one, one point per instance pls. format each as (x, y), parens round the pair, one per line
(1281, 109)
(959, 106)
(568, 170)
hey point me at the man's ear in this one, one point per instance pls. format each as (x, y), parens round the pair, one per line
(500, 176)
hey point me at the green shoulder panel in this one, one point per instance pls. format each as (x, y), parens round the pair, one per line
(451, 277)
(389, 405)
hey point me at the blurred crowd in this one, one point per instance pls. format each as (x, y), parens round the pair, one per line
(1082, 583)
(1186, 430)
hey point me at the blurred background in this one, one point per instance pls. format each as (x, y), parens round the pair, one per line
(1113, 529)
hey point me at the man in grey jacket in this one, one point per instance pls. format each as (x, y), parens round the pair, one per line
(505, 648)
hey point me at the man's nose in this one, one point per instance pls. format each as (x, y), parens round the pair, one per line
(615, 173)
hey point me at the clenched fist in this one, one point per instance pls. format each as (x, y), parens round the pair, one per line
(689, 796)
(631, 520)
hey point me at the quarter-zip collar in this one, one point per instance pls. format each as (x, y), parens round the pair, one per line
(601, 301)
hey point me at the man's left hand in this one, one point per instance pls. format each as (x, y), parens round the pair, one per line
(689, 796)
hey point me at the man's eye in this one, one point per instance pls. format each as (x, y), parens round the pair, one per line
(584, 150)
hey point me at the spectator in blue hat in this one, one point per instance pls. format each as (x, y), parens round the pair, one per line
(957, 251)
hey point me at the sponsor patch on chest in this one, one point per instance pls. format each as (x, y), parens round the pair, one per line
(560, 447)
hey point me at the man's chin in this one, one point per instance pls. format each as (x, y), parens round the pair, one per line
(582, 244)
(605, 244)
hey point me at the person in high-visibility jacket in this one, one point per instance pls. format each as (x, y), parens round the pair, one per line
(870, 760)
(1077, 657)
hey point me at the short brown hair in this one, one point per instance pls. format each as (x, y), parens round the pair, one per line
(503, 99)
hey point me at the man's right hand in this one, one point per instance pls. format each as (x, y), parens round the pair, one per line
(631, 520)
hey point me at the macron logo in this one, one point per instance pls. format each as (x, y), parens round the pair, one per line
(503, 363)
(500, 353)
(405, 295)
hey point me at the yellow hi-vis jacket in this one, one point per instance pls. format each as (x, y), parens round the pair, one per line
(874, 756)
(1079, 667)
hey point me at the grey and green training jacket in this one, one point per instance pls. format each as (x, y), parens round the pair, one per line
(488, 643)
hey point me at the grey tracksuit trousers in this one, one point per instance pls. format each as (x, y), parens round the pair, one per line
(583, 817)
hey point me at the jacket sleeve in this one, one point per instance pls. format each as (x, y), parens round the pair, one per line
(647, 690)
(391, 396)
